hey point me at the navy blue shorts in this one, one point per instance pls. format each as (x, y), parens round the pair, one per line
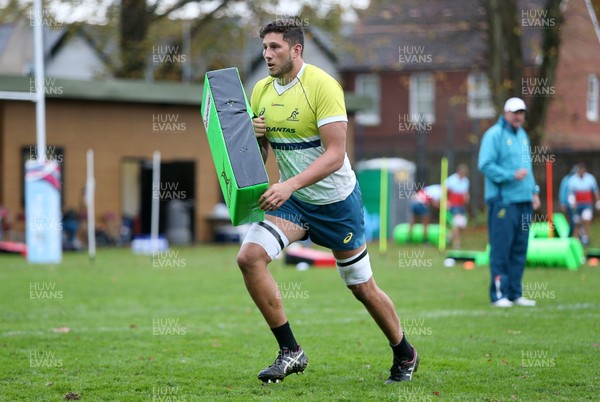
(419, 209)
(458, 210)
(337, 226)
(582, 207)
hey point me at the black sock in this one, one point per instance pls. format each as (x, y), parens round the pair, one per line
(403, 350)
(285, 337)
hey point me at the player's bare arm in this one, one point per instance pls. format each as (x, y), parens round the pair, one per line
(333, 138)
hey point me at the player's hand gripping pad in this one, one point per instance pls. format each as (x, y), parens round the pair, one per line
(228, 122)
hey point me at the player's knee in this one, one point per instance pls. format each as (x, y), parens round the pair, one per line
(362, 291)
(250, 256)
(243, 260)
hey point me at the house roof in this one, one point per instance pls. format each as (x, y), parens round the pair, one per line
(431, 35)
(106, 49)
(22, 32)
(110, 90)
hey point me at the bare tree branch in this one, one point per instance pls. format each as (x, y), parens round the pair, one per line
(174, 7)
(195, 29)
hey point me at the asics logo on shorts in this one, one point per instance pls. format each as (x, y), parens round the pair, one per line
(348, 237)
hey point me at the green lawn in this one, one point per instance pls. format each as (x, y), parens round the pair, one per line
(182, 327)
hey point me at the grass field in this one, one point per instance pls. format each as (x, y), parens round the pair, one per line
(181, 326)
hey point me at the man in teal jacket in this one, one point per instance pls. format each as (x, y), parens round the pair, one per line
(511, 193)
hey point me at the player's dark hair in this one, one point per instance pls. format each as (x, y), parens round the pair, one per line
(291, 28)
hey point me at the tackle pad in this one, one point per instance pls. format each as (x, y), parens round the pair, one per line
(236, 154)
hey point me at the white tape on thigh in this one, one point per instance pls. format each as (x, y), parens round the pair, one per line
(459, 221)
(356, 269)
(586, 214)
(267, 235)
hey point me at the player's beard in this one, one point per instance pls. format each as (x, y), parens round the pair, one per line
(285, 69)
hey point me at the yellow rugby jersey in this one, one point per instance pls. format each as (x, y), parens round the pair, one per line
(293, 114)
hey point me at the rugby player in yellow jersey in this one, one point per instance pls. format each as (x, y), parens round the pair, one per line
(302, 117)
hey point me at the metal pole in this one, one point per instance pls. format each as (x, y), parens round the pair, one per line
(383, 207)
(40, 86)
(155, 200)
(549, 199)
(443, 202)
(91, 215)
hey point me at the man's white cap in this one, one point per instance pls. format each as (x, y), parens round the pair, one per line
(514, 105)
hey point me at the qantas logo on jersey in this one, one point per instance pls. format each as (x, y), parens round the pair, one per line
(281, 130)
(277, 104)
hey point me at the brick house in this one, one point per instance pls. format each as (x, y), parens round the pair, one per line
(573, 121)
(424, 65)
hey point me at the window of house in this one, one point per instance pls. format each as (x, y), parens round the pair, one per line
(368, 85)
(422, 97)
(593, 98)
(479, 97)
